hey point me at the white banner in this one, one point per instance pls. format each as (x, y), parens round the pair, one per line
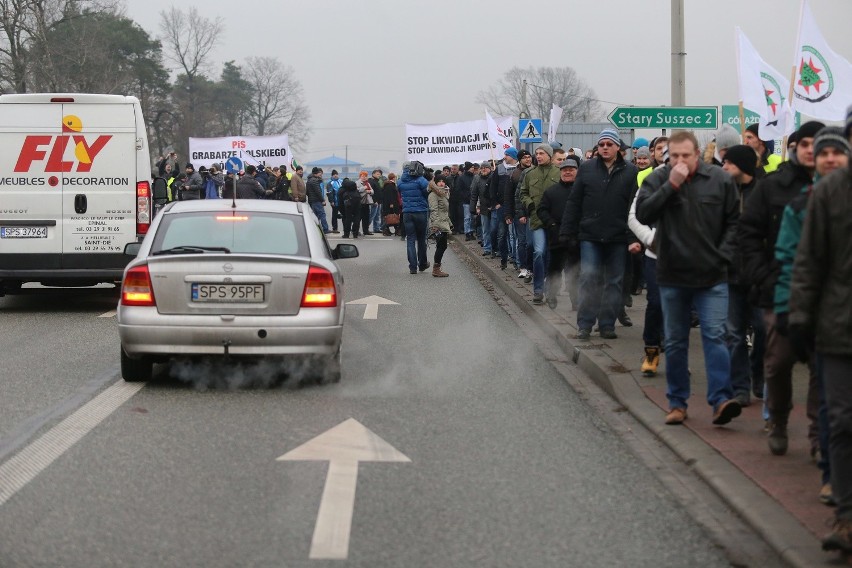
(553, 125)
(455, 142)
(255, 150)
(502, 139)
(763, 90)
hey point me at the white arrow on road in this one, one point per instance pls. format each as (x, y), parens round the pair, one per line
(342, 447)
(371, 312)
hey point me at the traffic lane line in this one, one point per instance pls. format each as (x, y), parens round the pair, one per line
(23, 467)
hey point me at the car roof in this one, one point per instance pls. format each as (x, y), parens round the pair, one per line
(257, 205)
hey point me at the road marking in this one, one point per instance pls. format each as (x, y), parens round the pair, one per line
(24, 466)
(343, 447)
(371, 312)
(108, 314)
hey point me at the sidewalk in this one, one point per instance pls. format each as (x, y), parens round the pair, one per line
(776, 495)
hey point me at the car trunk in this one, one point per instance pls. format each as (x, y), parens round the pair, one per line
(228, 284)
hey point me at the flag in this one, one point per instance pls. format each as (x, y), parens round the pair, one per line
(822, 87)
(502, 139)
(555, 119)
(763, 90)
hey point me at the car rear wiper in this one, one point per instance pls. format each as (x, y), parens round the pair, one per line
(190, 249)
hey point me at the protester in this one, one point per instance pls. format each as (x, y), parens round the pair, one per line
(439, 221)
(282, 185)
(390, 207)
(595, 223)
(298, 192)
(694, 207)
(248, 187)
(516, 213)
(316, 197)
(366, 192)
(332, 193)
(769, 162)
(413, 188)
(193, 187)
(726, 137)
(461, 193)
(550, 210)
(819, 318)
(480, 204)
(536, 181)
(377, 182)
(350, 198)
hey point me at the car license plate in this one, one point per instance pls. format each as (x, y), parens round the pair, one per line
(227, 292)
(23, 232)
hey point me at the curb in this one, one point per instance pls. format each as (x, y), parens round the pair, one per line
(783, 532)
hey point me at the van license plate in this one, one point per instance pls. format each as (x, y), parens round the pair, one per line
(227, 292)
(23, 232)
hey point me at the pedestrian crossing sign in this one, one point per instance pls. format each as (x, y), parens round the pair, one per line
(530, 130)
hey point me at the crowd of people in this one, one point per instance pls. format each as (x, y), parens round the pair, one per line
(753, 250)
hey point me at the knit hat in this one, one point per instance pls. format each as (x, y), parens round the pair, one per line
(639, 142)
(727, 136)
(848, 130)
(754, 129)
(467, 166)
(611, 135)
(744, 157)
(570, 161)
(512, 153)
(555, 144)
(485, 164)
(831, 136)
(334, 172)
(522, 153)
(810, 129)
(643, 151)
(546, 148)
(189, 166)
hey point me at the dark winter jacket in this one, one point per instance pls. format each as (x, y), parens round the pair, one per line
(479, 193)
(414, 191)
(552, 208)
(758, 229)
(695, 225)
(349, 195)
(390, 198)
(819, 294)
(735, 273)
(514, 206)
(461, 191)
(313, 188)
(249, 188)
(598, 207)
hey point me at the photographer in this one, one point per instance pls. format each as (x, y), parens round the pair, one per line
(213, 182)
(415, 208)
(193, 187)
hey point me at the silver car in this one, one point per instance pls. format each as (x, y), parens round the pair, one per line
(244, 278)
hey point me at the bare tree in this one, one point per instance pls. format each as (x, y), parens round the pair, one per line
(546, 86)
(277, 100)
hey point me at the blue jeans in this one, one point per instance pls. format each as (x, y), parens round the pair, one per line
(467, 218)
(485, 219)
(653, 332)
(601, 274)
(376, 217)
(538, 238)
(415, 234)
(741, 314)
(319, 210)
(499, 237)
(712, 307)
(520, 231)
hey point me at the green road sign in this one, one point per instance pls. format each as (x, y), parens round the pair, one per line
(683, 118)
(731, 115)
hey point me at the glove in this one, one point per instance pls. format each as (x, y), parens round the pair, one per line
(782, 325)
(802, 342)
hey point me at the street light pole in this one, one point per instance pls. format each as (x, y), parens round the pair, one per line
(678, 56)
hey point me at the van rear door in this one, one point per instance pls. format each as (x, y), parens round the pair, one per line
(98, 184)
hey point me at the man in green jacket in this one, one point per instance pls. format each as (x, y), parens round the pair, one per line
(536, 181)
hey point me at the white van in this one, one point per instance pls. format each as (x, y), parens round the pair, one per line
(75, 187)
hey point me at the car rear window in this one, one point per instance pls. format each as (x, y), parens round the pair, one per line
(240, 232)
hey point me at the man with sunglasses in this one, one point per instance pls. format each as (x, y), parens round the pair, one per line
(595, 222)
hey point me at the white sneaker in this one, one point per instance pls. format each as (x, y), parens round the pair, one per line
(524, 273)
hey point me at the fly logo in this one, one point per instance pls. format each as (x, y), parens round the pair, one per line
(53, 148)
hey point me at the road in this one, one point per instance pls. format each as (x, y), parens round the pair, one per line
(506, 464)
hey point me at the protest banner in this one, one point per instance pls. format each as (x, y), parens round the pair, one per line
(455, 142)
(255, 150)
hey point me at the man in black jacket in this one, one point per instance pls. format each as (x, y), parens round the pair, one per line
(461, 192)
(595, 221)
(695, 208)
(316, 197)
(757, 234)
(550, 211)
(248, 187)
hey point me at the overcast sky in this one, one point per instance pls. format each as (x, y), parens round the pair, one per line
(368, 67)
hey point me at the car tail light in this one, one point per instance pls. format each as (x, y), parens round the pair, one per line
(320, 291)
(143, 207)
(136, 290)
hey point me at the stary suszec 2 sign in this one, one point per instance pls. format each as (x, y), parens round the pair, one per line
(685, 118)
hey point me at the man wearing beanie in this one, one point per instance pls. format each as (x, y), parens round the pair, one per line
(515, 214)
(746, 378)
(768, 160)
(725, 138)
(756, 235)
(460, 201)
(595, 220)
(193, 188)
(536, 181)
(819, 315)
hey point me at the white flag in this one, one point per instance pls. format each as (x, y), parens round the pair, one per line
(501, 138)
(763, 90)
(823, 84)
(555, 119)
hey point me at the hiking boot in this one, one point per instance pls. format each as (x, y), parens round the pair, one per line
(826, 497)
(538, 299)
(676, 416)
(840, 537)
(584, 334)
(777, 439)
(608, 334)
(436, 271)
(726, 412)
(651, 361)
